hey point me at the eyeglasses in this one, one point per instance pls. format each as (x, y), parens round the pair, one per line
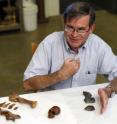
(80, 30)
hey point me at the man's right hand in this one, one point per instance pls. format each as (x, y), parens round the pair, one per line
(102, 92)
(69, 68)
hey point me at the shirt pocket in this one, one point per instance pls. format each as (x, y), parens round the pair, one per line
(87, 79)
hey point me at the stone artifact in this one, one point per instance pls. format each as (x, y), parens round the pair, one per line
(88, 97)
(89, 108)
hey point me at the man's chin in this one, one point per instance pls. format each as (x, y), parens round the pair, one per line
(76, 46)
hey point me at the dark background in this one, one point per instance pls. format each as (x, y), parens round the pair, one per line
(109, 5)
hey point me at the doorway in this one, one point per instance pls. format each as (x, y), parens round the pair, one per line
(64, 4)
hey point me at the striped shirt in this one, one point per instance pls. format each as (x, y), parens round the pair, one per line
(96, 57)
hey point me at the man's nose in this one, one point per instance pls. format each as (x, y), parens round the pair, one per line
(75, 33)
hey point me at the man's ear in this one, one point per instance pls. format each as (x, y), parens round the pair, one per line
(92, 28)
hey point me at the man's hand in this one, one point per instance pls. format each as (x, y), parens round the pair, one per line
(69, 68)
(103, 99)
(105, 94)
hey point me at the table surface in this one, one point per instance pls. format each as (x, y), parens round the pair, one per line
(71, 102)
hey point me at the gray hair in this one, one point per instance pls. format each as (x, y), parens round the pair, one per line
(79, 9)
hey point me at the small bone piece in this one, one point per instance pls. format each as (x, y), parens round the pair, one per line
(9, 115)
(15, 108)
(6, 105)
(2, 104)
(11, 106)
(16, 98)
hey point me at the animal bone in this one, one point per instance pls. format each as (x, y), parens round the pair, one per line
(11, 106)
(2, 104)
(6, 105)
(9, 115)
(14, 97)
(15, 108)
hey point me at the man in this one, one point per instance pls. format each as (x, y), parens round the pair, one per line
(73, 57)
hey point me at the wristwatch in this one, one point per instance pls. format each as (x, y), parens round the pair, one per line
(112, 91)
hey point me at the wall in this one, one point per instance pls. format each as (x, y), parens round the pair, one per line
(51, 8)
(28, 0)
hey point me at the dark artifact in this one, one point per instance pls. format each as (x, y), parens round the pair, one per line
(89, 100)
(88, 97)
(55, 110)
(89, 108)
(87, 94)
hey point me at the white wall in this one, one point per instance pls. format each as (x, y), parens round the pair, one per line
(24, 1)
(51, 8)
(27, 1)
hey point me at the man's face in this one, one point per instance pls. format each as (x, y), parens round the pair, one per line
(77, 31)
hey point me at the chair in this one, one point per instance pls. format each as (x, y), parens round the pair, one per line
(33, 47)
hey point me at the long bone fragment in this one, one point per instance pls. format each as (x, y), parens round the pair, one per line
(14, 97)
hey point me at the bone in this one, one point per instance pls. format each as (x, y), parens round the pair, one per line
(9, 115)
(2, 104)
(6, 105)
(11, 106)
(15, 108)
(14, 97)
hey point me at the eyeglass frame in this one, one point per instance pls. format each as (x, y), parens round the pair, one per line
(80, 30)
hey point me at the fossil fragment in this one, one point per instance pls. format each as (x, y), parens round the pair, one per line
(89, 108)
(2, 104)
(55, 110)
(89, 100)
(6, 105)
(11, 106)
(50, 114)
(87, 94)
(15, 108)
(88, 97)
(14, 97)
(9, 115)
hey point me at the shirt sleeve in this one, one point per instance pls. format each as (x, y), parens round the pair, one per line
(113, 73)
(40, 62)
(108, 63)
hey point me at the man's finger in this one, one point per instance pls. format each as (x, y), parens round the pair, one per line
(103, 99)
